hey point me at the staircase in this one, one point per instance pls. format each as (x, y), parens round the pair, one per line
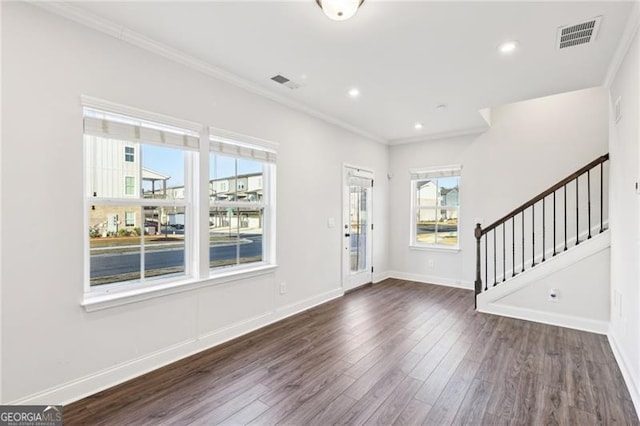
(560, 227)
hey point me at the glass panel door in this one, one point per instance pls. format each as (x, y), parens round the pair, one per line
(357, 228)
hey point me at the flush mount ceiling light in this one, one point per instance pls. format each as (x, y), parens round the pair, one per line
(418, 126)
(508, 47)
(339, 10)
(354, 92)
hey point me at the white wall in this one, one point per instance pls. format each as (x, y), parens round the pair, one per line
(530, 146)
(52, 350)
(625, 213)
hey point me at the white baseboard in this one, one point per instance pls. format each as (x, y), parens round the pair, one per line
(381, 276)
(101, 380)
(551, 318)
(431, 279)
(632, 384)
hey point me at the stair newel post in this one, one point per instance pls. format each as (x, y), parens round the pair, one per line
(544, 228)
(589, 201)
(522, 241)
(577, 213)
(601, 198)
(478, 283)
(513, 246)
(566, 225)
(504, 252)
(554, 223)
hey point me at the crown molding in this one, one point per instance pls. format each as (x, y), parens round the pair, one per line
(442, 135)
(110, 28)
(624, 45)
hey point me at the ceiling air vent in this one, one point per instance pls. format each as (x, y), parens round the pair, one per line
(285, 81)
(574, 35)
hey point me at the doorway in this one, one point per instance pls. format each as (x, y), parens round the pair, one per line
(357, 226)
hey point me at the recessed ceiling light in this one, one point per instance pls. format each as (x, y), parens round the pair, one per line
(418, 126)
(441, 107)
(354, 93)
(508, 47)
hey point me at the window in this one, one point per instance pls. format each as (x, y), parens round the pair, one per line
(144, 231)
(435, 207)
(241, 219)
(129, 185)
(129, 219)
(118, 254)
(129, 154)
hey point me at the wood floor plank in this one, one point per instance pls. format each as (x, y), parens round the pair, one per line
(369, 403)
(414, 413)
(446, 406)
(392, 361)
(246, 415)
(397, 352)
(474, 404)
(210, 412)
(503, 396)
(577, 379)
(553, 408)
(386, 347)
(291, 390)
(306, 411)
(435, 383)
(528, 398)
(332, 412)
(393, 406)
(608, 407)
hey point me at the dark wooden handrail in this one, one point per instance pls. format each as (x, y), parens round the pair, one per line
(546, 193)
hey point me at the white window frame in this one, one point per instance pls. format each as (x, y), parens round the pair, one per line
(137, 202)
(196, 205)
(225, 143)
(132, 154)
(126, 186)
(133, 218)
(418, 175)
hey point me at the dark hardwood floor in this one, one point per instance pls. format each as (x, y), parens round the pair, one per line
(393, 353)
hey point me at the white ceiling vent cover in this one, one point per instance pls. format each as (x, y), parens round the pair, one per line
(576, 34)
(285, 81)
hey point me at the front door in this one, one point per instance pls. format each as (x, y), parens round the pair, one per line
(357, 227)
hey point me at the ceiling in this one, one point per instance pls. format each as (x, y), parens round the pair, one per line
(404, 57)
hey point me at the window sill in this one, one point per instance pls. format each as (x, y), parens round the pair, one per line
(100, 300)
(443, 249)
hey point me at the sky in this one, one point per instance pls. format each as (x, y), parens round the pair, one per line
(170, 161)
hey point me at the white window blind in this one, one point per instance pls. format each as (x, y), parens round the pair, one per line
(448, 171)
(115, 126)
(237, 147)
(360, 178)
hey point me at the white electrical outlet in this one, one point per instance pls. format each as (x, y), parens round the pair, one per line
(553, 295)
(283, 288)
(331, 223)
(430, 263)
